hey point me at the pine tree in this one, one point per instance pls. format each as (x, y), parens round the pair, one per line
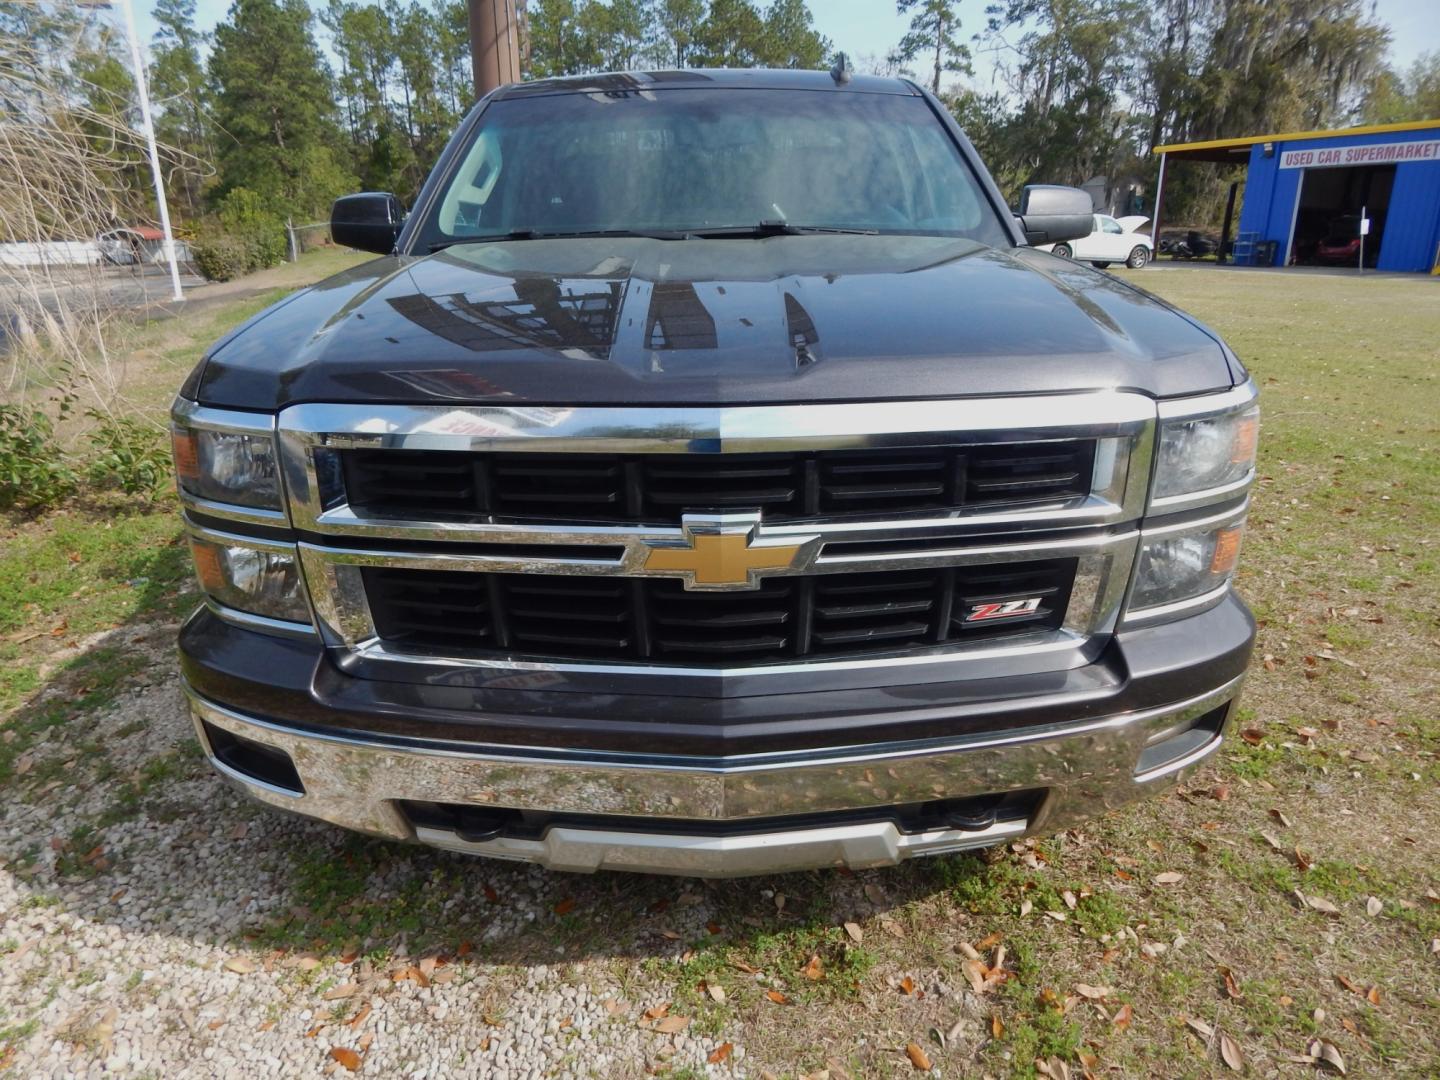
(275, 108)
(933, 29)
(789, 38)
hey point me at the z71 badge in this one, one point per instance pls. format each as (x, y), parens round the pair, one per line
(1003, 609)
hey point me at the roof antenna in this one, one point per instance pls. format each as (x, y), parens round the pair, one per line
(842, 70)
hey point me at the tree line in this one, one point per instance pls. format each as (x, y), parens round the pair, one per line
(292, 104)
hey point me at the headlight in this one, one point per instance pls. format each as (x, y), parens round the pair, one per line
(261, 579)
(1203, 458)
(1188, 563)
(227, 466)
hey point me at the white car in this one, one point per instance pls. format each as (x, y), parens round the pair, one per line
(1111, 241)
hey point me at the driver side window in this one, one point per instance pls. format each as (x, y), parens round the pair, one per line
(1110, 225)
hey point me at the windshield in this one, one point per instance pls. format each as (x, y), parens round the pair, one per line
(682, 160)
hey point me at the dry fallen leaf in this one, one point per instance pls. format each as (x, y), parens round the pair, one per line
(345, 990)
(874, 894)
(1124, 1017)
(564, 907)
(346, 1057)
(907, 985)
(1323, 1050)
(491, 894)
(1201, 1028)
(975, 971)
(359, 1018)
(855, 933)
(918, 1058)
(777, 997)
(656, 1012)
(1279, 815)
(1374, 906)
(1232, 985)
(1093, 993)
(672, 1024)
(1169, 877)
(997, 1027)
(240, 965)
(813, 970)
(717, 993)
(720, 1053)
(1230, 1053)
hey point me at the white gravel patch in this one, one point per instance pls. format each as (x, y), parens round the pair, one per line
(141, 958)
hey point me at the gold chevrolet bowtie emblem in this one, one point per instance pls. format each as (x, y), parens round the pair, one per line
(722, 551)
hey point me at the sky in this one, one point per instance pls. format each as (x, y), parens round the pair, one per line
(870, 28)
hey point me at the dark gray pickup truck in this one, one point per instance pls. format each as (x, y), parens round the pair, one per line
(709, 479)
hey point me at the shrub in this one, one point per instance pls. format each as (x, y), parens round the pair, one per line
(219, 256)
(129, 455)
(243, 236)
(33, 471)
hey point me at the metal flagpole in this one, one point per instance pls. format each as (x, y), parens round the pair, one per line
(148, 129)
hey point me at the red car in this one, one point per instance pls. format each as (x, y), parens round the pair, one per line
(1341, 245)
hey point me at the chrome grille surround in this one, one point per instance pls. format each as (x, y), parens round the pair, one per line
(1100, 529)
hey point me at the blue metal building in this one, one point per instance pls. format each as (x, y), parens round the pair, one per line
(1306, 192)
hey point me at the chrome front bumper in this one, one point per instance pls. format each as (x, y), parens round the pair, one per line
(1085, 768)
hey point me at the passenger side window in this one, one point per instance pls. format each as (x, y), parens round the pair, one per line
(1110, 225)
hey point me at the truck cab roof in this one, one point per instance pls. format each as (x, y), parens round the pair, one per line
(614, 82)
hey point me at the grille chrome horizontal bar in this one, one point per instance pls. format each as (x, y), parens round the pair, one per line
(1121, 425)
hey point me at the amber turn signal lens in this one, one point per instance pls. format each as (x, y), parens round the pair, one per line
(1247, 433)
(187, 455)
(208, 567)
(1227, 550)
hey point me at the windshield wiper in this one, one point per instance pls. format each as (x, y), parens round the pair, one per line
(559, 234)
(720, 232)
(776, 228)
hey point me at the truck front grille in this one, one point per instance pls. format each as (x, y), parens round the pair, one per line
(658, 621)
(659, 488)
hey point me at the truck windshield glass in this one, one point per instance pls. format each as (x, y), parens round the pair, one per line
(678, 160)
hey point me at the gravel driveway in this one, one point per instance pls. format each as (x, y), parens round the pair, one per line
(140, 958)
(155, 922)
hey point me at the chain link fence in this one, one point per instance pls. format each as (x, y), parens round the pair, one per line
(302, 238)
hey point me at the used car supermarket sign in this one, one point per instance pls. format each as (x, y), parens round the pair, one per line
(1369, 154)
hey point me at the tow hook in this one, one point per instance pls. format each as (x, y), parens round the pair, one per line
(976, 816)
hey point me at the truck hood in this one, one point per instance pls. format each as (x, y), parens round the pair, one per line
(700, 322)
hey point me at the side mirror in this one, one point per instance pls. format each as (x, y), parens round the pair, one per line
(1050, 213)
(369, 221)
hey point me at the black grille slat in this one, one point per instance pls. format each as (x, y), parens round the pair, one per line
(657, 620)
(659, 488)
(1007, 473)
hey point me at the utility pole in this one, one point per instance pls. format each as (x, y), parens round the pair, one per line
(148, 129)
(494, 43)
